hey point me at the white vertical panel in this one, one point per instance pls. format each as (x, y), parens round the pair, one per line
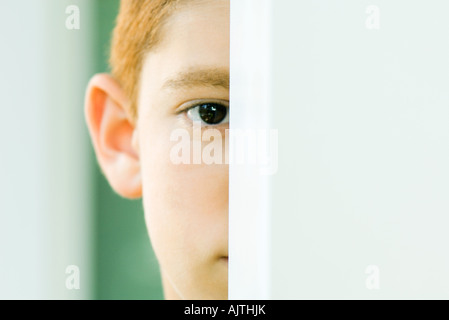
(68, 60)
(363, 174)
(249, 182)
(21, 160)
(44, 186)
(363, 177)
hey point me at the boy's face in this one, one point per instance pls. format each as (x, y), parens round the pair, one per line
(186, 205)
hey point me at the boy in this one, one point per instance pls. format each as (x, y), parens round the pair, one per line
(170, 69)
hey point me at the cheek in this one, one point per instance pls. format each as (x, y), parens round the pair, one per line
(186, 207)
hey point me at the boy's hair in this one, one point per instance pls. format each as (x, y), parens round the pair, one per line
(137, 31)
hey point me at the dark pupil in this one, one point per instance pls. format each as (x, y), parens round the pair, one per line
(212, 113)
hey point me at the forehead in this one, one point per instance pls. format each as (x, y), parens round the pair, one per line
(196, 35)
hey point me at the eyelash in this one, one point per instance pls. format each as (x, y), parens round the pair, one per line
(197, 104)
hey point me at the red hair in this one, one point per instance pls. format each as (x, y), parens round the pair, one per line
(137, 31)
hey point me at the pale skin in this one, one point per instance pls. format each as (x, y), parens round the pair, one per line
(186, 205)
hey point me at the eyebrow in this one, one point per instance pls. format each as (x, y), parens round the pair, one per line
(199, 77)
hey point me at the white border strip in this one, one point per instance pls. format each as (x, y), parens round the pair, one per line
(249, 196)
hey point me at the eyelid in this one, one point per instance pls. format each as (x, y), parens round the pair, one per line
(195, 103)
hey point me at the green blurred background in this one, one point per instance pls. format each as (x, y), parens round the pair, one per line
(124, 264)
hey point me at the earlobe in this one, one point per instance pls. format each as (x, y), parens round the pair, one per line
(113, 135)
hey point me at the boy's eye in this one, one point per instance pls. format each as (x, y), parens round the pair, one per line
(209, 113)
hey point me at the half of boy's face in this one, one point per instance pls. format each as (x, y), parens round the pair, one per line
(186, 205)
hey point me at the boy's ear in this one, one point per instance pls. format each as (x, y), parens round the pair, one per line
(112, 134)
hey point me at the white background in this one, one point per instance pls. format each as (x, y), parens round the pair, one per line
(363, 175)
(44, 186)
